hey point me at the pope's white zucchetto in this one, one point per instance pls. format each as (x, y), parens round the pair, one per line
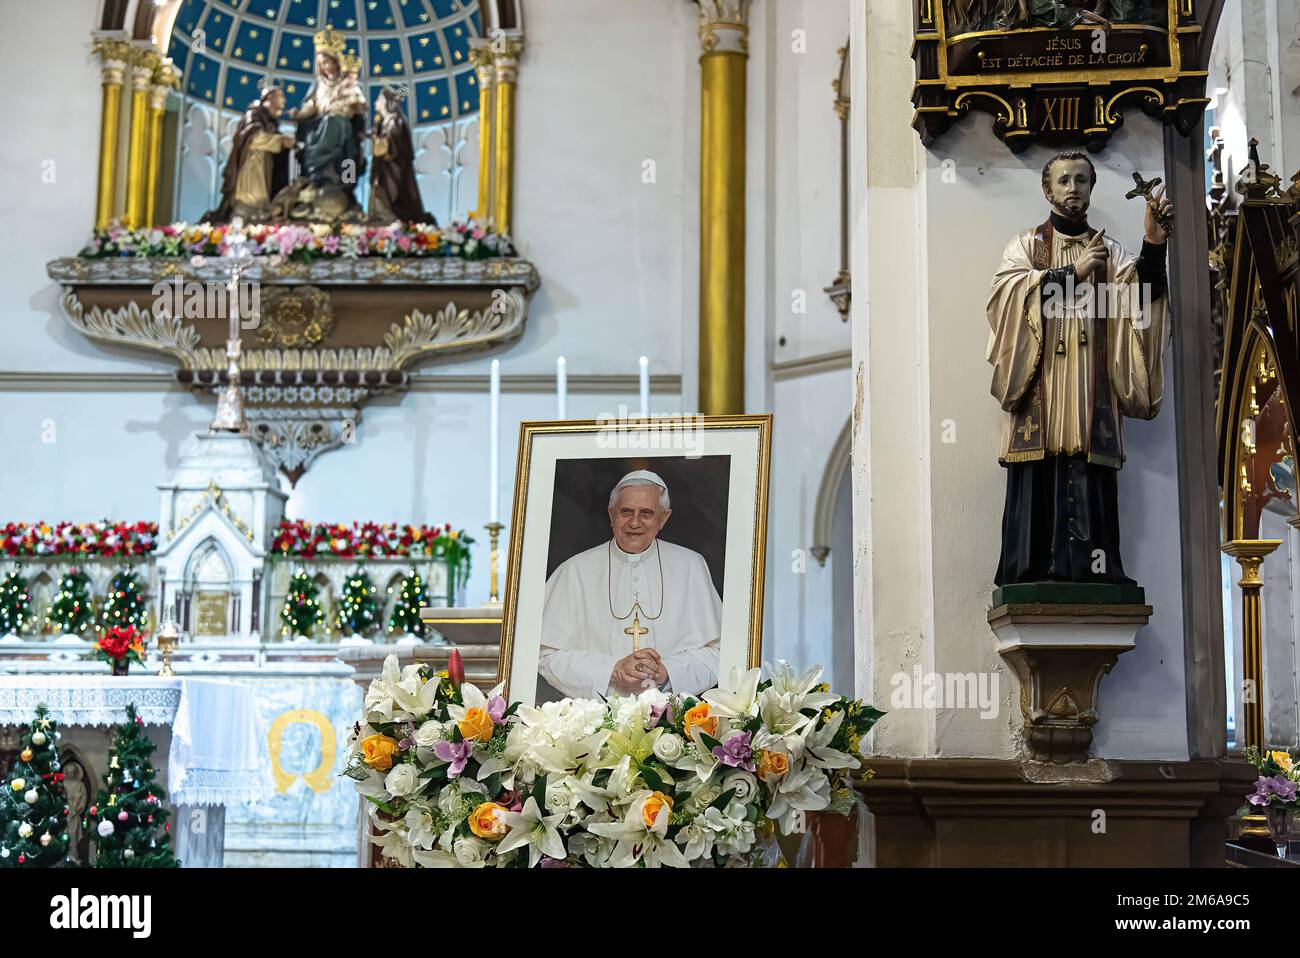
(641, 477)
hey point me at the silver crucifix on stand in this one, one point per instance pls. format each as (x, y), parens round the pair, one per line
(230, 401)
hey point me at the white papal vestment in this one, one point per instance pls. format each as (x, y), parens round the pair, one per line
(582, 640)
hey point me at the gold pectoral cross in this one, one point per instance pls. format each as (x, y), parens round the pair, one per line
(636, 629)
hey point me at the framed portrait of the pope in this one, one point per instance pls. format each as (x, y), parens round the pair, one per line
(636, 556)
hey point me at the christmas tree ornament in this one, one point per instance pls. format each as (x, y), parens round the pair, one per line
(32, 796)
(4, 853)
(123, 815)
(128, 854)
(38, 738)
(46, 839)
(25, 830)
(105, 828)
(25, 755)
(18, 784)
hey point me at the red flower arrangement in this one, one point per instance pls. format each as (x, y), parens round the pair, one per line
(120, 646)
(102, 538)
(304, 540)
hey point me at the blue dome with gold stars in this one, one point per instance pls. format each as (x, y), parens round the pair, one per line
(225, 47)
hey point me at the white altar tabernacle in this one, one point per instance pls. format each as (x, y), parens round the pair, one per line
(208, 735)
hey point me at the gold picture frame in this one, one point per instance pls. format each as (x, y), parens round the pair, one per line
(633, 439)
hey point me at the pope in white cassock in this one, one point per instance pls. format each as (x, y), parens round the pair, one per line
(633, 612)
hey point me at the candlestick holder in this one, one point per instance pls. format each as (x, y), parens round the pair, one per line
(494, 534)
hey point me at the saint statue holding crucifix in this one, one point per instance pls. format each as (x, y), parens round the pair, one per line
(1077, 338)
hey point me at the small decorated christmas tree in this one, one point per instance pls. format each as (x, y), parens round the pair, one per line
(71, 611)
(302, 612)
(129, 817)
(125, 603)
(358, 609)
(15, 603)
(33, 806)
(406, 607)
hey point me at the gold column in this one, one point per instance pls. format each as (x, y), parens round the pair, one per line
(144, 61)
(113, 55)
(165, 78)
(1250, 554)
(506, 51)
(480, 55)
(724, 38)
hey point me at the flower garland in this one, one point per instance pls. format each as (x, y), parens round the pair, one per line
(303, 243)
(102, 538)
(455, 777)
(303, 540)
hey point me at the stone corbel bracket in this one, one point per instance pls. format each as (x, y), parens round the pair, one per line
(1060, 654)
(322, 338)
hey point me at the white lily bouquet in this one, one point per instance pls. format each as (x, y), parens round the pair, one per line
(456, 778)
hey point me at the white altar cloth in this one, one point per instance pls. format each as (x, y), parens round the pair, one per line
(213, 758)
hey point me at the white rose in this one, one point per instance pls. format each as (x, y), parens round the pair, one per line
(669, 747)
(559, 798)
(470, 851)
(745, 784)
(429, 734)
(402, 780)
(24, 830)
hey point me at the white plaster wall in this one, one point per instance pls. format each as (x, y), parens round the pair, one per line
(811, 412)
(804, 187)
(929, 511)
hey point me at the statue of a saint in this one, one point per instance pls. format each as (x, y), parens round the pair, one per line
(394, 192)
(331, 125)
(258, 166)
(1077, 341)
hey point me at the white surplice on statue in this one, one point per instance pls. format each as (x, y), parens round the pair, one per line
(207, 733)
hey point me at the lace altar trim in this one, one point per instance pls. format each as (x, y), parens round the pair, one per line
(90, 705)
(207, 786)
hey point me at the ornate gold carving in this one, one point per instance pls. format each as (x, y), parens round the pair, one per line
(294, 316)
(212, 613)
(212, 494)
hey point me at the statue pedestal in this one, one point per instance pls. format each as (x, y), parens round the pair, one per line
(1059, 652)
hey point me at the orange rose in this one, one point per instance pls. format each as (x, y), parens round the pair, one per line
(377, 751)
(484, 823)
(699, 717)
(650, 810)
(476, 724)
(772, 764)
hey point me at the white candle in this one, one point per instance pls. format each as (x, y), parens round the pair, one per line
(645, 387)
(494, 457)
(561, 387)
